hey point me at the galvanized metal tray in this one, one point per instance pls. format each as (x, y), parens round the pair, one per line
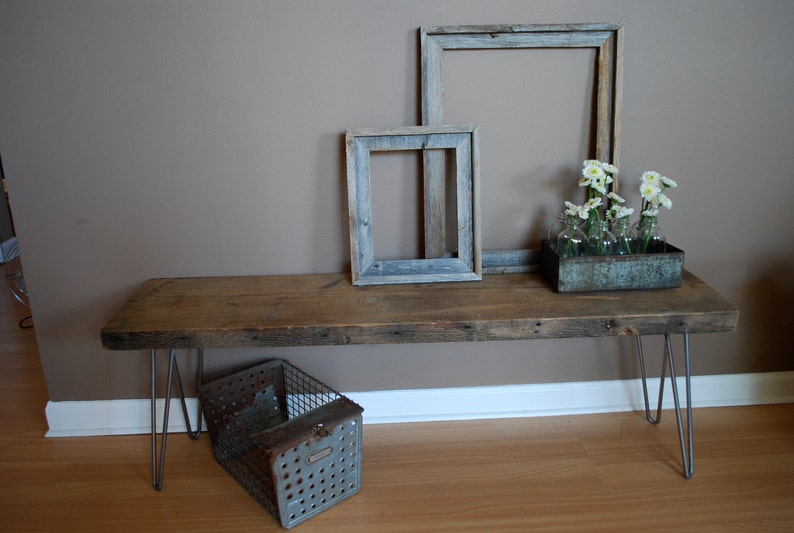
(612, 272)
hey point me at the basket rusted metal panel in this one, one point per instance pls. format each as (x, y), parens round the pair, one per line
(291, 441)
(659, 270)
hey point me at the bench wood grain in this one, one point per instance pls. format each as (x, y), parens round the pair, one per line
(326, 309)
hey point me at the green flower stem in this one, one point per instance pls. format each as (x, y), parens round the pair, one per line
(628, 247)
(644, 222)
(645, 244)
(591, 221)
(623, 228)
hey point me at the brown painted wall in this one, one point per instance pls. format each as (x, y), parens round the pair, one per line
(182, 138)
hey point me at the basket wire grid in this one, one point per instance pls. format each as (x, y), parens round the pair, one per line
(290, 440)
(13, 272)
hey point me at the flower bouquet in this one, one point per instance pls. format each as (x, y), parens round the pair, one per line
(596, 247)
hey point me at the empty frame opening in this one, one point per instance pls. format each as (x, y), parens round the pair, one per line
(536, 113)
(397, 193)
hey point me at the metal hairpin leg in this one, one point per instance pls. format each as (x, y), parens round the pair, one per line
(173, 372)
(687, 450)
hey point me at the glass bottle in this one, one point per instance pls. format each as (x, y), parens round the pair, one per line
(624, 236)
(600, 241)
(649, 238)
(572, 241)
(555, 230)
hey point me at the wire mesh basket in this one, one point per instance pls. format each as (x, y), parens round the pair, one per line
(290, 440)
(9, 258)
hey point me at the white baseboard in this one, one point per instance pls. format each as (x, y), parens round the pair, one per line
(117, 417)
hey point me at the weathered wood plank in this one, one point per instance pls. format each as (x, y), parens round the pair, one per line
(435, 202)
(522, 28)
(325, 309)
(613, 154)
(418, 271)
(510, 261)
(484, 41)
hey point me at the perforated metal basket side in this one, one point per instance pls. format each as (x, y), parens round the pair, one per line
(319, 473)
(290, 440)
(241, 404)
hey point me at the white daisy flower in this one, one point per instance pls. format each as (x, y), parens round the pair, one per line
(664, 201)
(620, 211)
(593, 172)
(571, 209)
(616, 198)
(584, 182)
(593, 203)
(609, 169)
(667, 182)
(649, 191)
(651, 212)
(651, 177)
(600, 185)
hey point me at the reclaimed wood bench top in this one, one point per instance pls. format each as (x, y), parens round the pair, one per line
(326, 309)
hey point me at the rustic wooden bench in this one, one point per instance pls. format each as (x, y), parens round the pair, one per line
(326, 309)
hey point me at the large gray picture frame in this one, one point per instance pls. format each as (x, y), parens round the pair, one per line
(466, 263)
(606, 38)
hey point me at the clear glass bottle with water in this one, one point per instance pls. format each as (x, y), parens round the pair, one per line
(649, 237)
(600, 241)
(572, 241)
(624, 236)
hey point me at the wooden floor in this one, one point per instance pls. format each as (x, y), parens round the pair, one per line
(610, 472)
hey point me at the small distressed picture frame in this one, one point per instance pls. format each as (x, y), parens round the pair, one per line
(466, 263)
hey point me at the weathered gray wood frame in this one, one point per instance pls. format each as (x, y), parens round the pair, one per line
(365, 268)
(606, 38)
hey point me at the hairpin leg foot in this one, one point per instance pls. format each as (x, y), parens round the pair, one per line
(686, 441)
(158, 467)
